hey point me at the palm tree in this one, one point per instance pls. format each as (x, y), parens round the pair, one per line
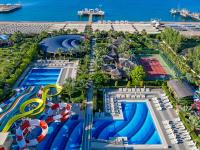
(186, 109)
(59, 51)
(82, 85)
(194, 122)
(69, 87)
(70, 52)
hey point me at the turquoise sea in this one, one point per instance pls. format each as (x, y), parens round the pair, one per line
(66, 10)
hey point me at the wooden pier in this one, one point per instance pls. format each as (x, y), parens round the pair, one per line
(90, 13)
(185, 13)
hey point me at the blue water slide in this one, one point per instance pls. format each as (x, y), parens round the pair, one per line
(98, 126)
(74, 142)
(136, 122)
(155, 138)
(52, 131)
(16, 109)
(111, 130)
(63, 135)
(13, 99)
(145, 132)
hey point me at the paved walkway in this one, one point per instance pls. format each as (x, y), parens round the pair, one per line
(87, 135)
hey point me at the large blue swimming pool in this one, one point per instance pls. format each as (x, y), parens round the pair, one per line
(138, 125)
(41, 76)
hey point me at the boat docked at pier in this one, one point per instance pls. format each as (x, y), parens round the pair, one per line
(6, 8)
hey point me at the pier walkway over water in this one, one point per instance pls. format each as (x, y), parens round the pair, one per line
(90, 13)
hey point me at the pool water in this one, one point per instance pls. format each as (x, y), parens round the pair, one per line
(138, 125)
(44, 76)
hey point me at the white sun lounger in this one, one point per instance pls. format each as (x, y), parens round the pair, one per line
(174, 141)
(120, 89)
(171, 136)
(191, 143)
(167, 126)
(193, 148)
(147, 90)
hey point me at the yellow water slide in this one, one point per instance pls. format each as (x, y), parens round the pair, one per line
(37, 110)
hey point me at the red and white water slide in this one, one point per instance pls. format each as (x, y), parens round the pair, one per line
(27, 127)
(58, 112)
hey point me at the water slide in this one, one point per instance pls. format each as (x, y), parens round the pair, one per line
(12, 102)
(35, 111)
(75, 139)
(9, 102)
(5, 117)
(98, 126)
(64, 132)
(54, 128)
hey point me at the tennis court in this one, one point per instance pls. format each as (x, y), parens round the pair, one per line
(153, 68)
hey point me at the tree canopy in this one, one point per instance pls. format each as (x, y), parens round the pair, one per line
(137, 75)
(173, 38)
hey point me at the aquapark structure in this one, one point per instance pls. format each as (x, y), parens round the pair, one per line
(29, 111)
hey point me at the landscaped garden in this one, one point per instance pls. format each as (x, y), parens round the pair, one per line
(120, 60)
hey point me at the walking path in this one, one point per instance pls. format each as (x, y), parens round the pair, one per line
(87, 135)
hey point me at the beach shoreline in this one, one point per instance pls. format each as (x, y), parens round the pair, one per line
(10, 27)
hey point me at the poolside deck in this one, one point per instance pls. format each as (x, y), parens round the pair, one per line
(161, 115)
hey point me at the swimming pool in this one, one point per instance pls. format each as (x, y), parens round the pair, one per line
(138, 126)
(42, 76)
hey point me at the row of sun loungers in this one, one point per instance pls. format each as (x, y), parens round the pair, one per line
(161, 104)
(57, 63)
(134, 90)
(111, 105)
(113, 22)
(177, 133)
(130, 96)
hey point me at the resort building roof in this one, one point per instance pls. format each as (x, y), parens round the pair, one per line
(62, 42)
(108, 67)
(181, 89)
(123, 62)
(107, 59)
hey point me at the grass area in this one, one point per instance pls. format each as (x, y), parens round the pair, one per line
(8, 58)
